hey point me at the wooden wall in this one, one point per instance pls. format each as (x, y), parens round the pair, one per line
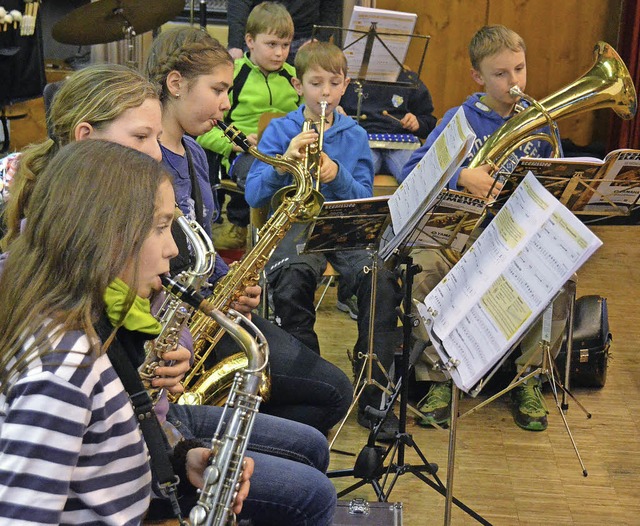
(560, 37)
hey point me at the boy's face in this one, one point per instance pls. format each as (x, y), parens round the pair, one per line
(267, 51)
(321, 85)
(500, 72)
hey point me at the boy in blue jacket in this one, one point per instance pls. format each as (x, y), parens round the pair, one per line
(346, 172)
(498, 63)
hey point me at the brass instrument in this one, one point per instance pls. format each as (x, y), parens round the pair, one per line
(173, 314)
(301, 202)
(607, 84)
(230, 440)
(312, 159)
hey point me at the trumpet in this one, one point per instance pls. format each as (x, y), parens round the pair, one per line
(313, 152)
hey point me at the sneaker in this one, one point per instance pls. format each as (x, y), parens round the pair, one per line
(529, 410)
(436, 405)
(350, 306)
(229, 236)
(387, 431)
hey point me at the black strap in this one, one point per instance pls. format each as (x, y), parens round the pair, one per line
(151, 431)
(196, 193)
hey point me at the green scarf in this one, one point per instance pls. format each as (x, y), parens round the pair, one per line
(139, 317)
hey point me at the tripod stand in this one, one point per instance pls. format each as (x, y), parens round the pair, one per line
(370, 464)
(547, 368)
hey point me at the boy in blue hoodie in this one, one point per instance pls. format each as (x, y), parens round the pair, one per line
(346, 172)
(498, 63)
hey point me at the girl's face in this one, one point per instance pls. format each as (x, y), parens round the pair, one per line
(138, 128)
(158, 247)
(204, 101)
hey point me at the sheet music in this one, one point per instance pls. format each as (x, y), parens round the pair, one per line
(417, 193)
(621, 184)
(397, 27)
(504, 281)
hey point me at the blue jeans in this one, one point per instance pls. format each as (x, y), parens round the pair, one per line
(392, 160)
(288, 485)
(304, 387)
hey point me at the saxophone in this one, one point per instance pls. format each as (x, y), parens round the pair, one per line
(299, 203)
(230, 440)
(174, 314)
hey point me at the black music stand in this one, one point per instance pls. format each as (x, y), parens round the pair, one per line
(354, 225)
(370, 464)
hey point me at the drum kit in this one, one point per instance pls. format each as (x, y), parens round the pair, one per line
(107, 21)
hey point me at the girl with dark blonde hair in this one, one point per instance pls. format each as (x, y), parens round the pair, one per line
(70, 447)
(193, 73)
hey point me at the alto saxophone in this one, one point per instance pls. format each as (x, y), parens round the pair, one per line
(230, 440)
(174, 314)
(299, 203)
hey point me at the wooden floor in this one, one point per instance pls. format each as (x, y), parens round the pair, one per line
(511, 476)
(507, 475)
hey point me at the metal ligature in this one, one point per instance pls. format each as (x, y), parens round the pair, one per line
(207, 383)
(173, 314)
(230, 440)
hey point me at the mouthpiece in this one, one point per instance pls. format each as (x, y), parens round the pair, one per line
(234, 135)
(186, 294)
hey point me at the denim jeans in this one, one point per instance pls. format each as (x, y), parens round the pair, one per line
(388, 160)
(288, 485)
(304, 387)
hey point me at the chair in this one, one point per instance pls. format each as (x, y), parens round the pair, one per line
(384, 185)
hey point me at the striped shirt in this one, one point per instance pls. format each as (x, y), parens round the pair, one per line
(71, 451)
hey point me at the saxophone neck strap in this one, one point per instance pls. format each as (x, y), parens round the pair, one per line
(151, 431)
(196, 193)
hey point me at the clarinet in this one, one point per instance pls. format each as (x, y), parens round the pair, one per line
(230, 440)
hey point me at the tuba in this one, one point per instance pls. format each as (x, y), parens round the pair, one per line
(230, 440)
(607, 84)
(207, 384)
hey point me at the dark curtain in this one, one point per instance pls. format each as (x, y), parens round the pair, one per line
(626, 134)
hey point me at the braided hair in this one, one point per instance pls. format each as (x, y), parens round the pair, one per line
(189, 51)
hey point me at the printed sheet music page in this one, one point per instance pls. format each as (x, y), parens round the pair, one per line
(417, 193)
(504, 281)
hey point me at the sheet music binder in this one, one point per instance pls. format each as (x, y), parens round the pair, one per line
(490, 298)
(354, 224)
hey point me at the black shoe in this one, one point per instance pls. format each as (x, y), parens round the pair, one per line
(387, 431)
(389, 428)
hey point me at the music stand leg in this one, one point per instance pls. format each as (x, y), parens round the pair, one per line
(453, 426)
(370, 357)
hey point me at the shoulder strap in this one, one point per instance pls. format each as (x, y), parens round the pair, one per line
(196, 193)
(149, 425)
(238, 83)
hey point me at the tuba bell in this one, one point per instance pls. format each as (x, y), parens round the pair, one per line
(606, 85)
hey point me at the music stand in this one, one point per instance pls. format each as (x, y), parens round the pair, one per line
(370, 464)
(474, 323)
(354, 225)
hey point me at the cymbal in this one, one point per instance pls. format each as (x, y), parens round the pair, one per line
(107, 20)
